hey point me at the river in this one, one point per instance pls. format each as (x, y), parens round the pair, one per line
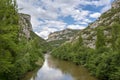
(55, 69)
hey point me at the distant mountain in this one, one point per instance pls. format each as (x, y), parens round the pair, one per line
(20, 47)
(59, 37)
(105, 21)
(97, 47)
(27, 32)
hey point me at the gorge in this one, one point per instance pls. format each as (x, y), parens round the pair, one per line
(89, 54)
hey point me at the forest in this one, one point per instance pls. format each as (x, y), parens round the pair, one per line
(103, 61)
(17, 54)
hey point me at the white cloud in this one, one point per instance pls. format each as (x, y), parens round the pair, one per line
(76, 27)
(56, 24)
(80, 15)
(43, 34)
(87, 20)
(50, 26)
(45, 14)
(81, 23)
(105, 8)
(95, 15)
(101, 2)
(95, 2)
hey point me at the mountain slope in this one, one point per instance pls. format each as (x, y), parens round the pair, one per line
(105, 22)
(27, 32)
(20, 47)
(57, 38)
(97, 47)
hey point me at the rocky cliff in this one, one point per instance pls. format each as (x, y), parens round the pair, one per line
(108, 18)
(97, 47)
(25, 25)
(26, 31)
(105, 21)
(21, 50)
(57, 38)
(116, 4)
(21, 46)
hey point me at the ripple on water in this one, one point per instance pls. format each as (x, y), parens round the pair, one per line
(54, 69)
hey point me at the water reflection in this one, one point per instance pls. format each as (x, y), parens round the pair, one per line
(54, 69)
(47, 72)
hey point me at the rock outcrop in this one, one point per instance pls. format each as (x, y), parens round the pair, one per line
(108, 17)
(60, 37)
(25, 25)
(26, 32)
(116, 4)
(106, 20)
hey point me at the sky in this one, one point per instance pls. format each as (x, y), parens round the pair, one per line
(48, 16)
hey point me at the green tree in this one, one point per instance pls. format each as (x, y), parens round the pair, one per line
(115, 36)
(100, 42)
(8, 12)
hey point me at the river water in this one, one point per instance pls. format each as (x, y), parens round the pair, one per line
(55, 69)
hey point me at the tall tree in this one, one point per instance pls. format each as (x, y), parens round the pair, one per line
(115, 36)
(8, 12)
(100, 42)
(8, 20)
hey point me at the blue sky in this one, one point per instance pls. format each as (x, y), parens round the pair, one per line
(53, 15)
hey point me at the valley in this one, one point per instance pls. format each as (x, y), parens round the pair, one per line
(92, 53)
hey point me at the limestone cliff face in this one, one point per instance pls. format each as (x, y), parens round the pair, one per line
(60, 37)
(27, 35)
(105, 21)
(108, 18)
(25, 25)
(116, 4)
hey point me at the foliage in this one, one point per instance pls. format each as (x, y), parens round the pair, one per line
(62, 36)
(115, 36)
(100, 42)
(103, 62)
(16, 56)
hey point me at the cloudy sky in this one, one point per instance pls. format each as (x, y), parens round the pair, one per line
(53, 15)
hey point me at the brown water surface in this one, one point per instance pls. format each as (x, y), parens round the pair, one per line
(55, 69)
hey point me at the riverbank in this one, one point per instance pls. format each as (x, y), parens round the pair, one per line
(55, 69)
(27, 75)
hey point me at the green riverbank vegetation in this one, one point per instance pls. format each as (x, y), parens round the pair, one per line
(17, 54)
(103, 62)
